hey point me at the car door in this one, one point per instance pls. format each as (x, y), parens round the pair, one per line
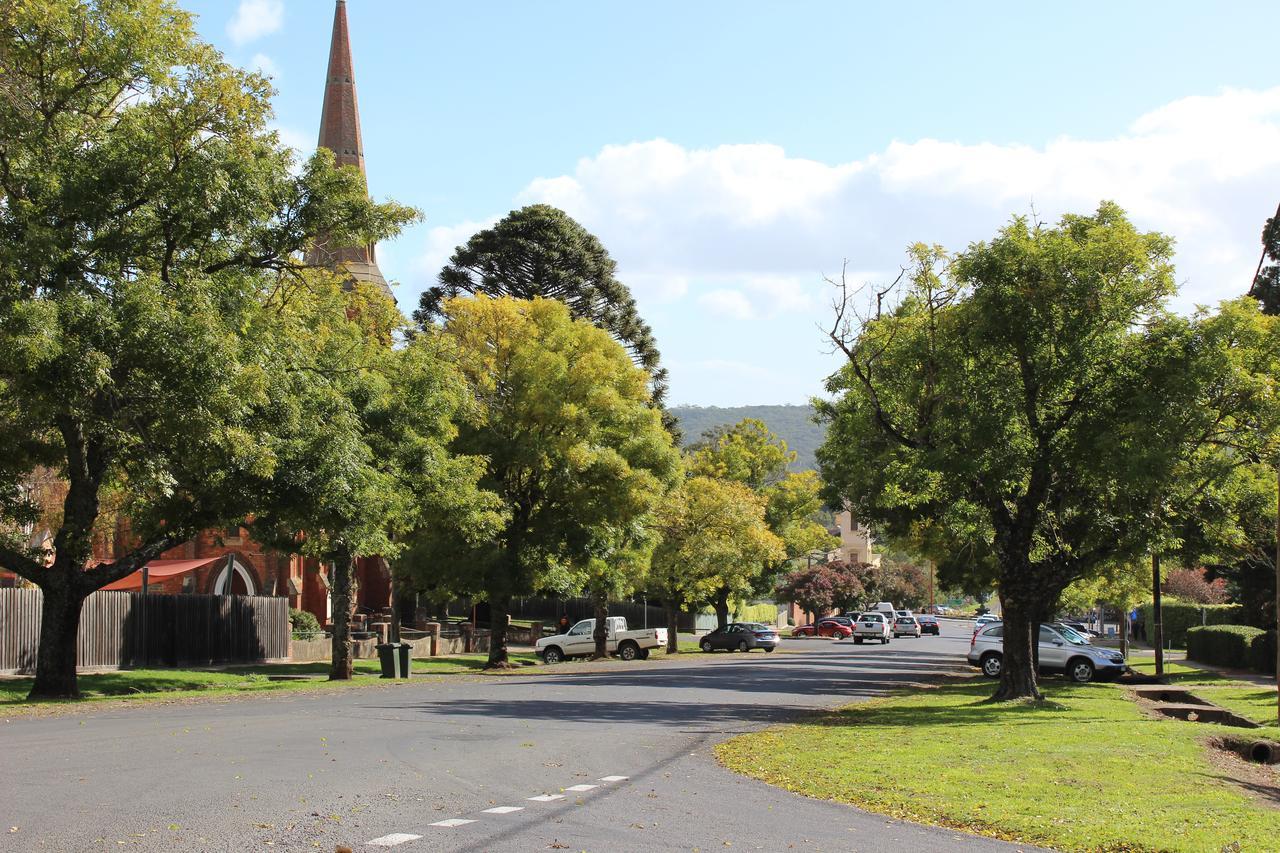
(716, 638)
(1054, 650)
(579, 640)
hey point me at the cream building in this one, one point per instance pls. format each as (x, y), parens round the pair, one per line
(857, 545)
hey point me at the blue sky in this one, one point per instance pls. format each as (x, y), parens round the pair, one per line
(729, 154)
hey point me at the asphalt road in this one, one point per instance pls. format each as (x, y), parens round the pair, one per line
(391, 764)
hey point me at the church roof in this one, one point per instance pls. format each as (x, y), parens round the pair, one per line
(340, 133)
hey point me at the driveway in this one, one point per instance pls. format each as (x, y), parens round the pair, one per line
(570, 758)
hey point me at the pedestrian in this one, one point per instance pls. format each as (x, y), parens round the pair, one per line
(1139, 628)
(562, 627)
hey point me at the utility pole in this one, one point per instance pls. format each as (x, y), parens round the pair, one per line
(1157, 623)
(931, 602)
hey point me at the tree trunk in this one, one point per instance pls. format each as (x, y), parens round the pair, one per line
(499, 616)
(342, 583)
(1018, 672)
(673, 626)
(601, 632)
(722, 607)
(59, 625)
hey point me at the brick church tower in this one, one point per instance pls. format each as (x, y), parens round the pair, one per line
(340, 133)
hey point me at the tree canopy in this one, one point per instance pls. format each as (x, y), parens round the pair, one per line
(150, 225)
(1032, 399)
(571, 443)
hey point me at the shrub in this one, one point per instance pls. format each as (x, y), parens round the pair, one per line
(766, 613)
(1181, 615)
(1192, 585)
(1222, 645)
(1262, 652)
(303, 622)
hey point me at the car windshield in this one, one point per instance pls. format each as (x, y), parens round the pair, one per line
(1072, 635)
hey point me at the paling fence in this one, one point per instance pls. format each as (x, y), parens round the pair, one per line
(129, 629)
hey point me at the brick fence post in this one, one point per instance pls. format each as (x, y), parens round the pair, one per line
(468, 641)
(433, 631)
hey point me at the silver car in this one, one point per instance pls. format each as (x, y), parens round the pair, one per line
(1059, 652)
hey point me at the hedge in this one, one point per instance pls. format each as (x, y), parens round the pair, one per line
(1223, 645)
(766, 613)
(1179, 616)
(1262, 653)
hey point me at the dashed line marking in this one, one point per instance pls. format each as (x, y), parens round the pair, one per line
(582, 787)
(503, 810)
(546, 798)
(392, 840)
(452, 822)
(614, 778)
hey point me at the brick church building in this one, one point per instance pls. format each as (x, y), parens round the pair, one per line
(228, 561)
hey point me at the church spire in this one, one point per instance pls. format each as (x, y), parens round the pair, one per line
(340, 133)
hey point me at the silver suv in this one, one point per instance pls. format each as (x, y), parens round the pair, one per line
(1059, 652)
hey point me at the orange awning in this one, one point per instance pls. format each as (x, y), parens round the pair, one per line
(158, 570)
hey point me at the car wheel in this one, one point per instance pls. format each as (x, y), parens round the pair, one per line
(991, 664)
(768, 648)
(706, 646)
(1080, 670)
(743, 647)
(884, 641)
(553, 654)
(628, 651)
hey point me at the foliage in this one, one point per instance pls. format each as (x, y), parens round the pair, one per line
(1191, 585)
(999, 770)
(150, 230)
(540, 252)
(794, 424)
(1262, 654)
(713, 534)
(1222, 645)
(766, 613)
(903, 582)
(1178, 617)
(1034, 407)
(1266, 286)
(303, 621)
(820, 588)
(573, 451)
(1121, 584)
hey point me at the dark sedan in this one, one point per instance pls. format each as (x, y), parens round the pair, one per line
(741, 637)
(929, 625)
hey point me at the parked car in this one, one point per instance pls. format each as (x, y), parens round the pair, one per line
(829, 626)
(906, 626)
(872, 625)
(929, 625)
(741, 637)
(1059, 652)
(579, 641)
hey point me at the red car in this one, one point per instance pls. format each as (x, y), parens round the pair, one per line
(824, 628)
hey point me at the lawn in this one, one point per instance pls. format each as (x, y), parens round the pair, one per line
(1086, 770)
(1251, 701)
(183, 683)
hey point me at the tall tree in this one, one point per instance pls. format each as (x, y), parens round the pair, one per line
(1266, 282)
(571, 442)
(540, 251)
(709, 528)
(1033, 395)
(751, 454)
(150, 225)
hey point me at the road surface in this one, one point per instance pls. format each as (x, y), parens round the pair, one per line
(571, 758)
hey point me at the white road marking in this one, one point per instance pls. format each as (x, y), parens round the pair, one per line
(613, 778)
(504, 809)
(546, 798)
(582, 787)
(392, 840)
(452, 822)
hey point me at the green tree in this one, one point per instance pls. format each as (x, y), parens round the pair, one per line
(540, 251)
(750, 453)
(1032, 396)
(707, 527)
(572, 446)
(1266, 283)
(150, 225)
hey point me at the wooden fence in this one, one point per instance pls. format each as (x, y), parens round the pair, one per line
(128, 629)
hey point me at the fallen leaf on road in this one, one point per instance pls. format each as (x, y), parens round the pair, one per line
(556, 845)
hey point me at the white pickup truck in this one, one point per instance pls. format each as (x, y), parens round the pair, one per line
(579, 642)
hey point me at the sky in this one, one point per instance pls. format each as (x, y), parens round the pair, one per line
(730, 155)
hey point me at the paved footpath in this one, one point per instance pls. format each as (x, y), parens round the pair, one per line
(577, 759)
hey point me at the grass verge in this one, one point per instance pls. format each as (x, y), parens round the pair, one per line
(166, 684)
(1246, 698)
(1085, 770)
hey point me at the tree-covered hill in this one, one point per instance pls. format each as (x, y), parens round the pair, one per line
(794, 424)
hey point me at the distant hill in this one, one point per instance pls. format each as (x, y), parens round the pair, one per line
(793, 424)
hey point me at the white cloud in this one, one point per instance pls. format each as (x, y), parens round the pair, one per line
(1203, 169)
(727, 303)
(265, 64)
(254, 19)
